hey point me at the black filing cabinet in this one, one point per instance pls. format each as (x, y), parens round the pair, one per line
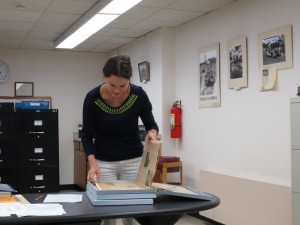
(8, 152)
(29, 150)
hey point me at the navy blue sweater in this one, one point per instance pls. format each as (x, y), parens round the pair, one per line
(115, 130)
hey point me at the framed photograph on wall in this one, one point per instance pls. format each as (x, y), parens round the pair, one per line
(275, 48)
(144, 71)
(23, 89)
(209, 76)
(237, 63)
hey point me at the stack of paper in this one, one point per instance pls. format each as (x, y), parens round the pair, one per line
(7, 209)
(40, 210)
(71, 198)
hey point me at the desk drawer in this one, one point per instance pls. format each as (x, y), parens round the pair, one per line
(38, 153)
(38, 124)
(7, 154)
(7, 125)
(9, 176)
(39, 179)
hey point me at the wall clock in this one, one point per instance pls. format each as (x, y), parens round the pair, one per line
(4, 72)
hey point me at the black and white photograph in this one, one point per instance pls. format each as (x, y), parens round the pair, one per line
(144, 71)
(237, 63)
(209, 85)
(208, 73)
(275, 48)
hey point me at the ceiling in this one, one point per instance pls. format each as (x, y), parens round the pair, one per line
(36, 24)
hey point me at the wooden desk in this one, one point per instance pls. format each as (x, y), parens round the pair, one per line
(166, 210)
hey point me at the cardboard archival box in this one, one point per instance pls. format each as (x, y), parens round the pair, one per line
(129, 193)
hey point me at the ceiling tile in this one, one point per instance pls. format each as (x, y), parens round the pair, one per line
(58, 18)
(199, 5)
(38, 44)
(97, 39)
(153, 25)
(101, 50)
(133, 33)
(107, 46)
(120, 40)
(13, 34)
(86, 46)
(173, 15)
(70, 6)
(18, 26)
(108, 31)
(123, 23)
(36, 24)
(28, 5)
(10, 43)
(16, 16)
(45, 36)
(156, 3)
(47, 27)
(140, 12)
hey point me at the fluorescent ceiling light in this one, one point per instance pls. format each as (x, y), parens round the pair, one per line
(73, 41)
(119, 6)
(95, 22)
(89, 28)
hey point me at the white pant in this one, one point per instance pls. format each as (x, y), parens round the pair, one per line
(125, 170)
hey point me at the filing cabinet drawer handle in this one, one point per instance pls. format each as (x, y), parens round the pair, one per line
(1, 132)
(1, 161)
(36, 132)
(37, 187)
(37, 160)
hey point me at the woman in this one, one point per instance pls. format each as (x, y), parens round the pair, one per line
(110, 135)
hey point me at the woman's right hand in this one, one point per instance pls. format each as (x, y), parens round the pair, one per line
(93, 175)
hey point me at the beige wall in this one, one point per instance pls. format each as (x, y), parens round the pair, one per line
(66, 77)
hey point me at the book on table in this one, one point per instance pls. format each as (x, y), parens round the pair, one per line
(6, 193)
(129, 193)
(7, 188)
(180, 191)
(143, 190)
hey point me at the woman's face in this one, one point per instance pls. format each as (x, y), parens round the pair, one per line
(117, 86)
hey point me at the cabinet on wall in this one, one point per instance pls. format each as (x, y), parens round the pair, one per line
(29, 150)
(80, 165)
(295, 162)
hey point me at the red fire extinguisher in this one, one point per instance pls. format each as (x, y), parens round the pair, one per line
(175, 120)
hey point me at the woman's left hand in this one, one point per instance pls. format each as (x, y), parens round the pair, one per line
(151, 135)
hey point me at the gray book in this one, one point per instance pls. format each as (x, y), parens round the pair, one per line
(136, 201)
(117, 195)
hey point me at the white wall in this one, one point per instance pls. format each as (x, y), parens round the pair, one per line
(148, 48)
(66, 77)
(249, 135)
